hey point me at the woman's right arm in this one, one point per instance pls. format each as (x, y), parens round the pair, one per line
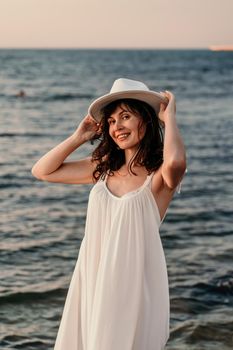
(52, 168)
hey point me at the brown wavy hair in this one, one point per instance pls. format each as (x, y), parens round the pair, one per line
(110, 157)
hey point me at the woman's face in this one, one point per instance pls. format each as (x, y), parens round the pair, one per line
(126, 128)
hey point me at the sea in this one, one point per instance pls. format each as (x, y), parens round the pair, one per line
(44, 94)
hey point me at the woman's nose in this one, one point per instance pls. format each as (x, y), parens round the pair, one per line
(118, 125)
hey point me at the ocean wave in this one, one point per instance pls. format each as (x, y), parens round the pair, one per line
(220, 285)
(46, 98)
(21, 342)
(29, 296)
(191, 306)
(67, 96)
(28, 134)
(31, 245)
(219, 333)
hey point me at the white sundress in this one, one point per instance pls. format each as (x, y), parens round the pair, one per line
(118, 297)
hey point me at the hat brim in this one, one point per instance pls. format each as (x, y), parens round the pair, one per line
(154, 99)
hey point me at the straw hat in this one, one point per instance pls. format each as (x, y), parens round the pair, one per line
(127, 88)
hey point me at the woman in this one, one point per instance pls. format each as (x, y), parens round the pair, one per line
(118, 297)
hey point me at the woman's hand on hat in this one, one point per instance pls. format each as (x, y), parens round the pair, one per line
(88, 128)
(167, 109)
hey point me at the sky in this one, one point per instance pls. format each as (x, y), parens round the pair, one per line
(115, 23)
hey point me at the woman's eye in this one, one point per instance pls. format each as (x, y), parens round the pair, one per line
(110, 121)
(126, 116)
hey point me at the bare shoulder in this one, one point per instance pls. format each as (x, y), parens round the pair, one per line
(73, 172)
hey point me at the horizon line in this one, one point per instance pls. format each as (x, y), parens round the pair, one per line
(103, 48)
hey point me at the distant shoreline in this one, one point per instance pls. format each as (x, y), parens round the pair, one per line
(221, 47)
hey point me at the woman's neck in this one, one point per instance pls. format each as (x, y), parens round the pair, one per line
(128, 167)
(129, 154)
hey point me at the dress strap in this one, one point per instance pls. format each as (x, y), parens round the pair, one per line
(102, 178)
(105, 177)
(178, 188)
(149, 178)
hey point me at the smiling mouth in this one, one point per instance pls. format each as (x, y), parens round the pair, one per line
(123, 136)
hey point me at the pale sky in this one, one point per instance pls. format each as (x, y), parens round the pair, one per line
(115, 23)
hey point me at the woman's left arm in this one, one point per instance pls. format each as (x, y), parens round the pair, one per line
(174, 156)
